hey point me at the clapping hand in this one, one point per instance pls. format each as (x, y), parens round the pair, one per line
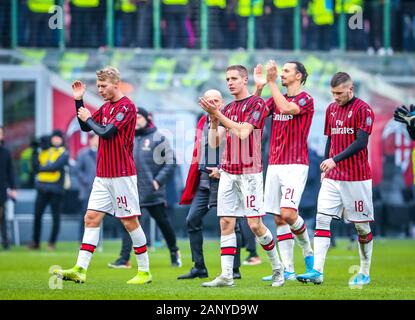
(259, 79)
(208, 106)
(272, 71)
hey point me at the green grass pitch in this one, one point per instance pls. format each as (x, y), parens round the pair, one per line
(24, 275)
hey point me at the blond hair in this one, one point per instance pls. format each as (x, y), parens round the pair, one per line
(108, 73)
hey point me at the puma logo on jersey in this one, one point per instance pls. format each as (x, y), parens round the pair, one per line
(282, 117)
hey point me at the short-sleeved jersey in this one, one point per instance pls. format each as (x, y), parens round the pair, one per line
(115, 155)
(341, 125)
(244, 156)
(289, 133)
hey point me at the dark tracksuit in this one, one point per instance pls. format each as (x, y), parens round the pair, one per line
(204, 200)
(6, 181)
(85, 169)
(154, 160)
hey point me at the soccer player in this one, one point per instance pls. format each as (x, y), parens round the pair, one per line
(346, 190)
(406, 115)
(114, 190)
(240, 191)
(288, 158)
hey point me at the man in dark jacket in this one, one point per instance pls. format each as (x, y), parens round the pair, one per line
(49, 166)
(155, 162)
(86, 164)
(201, 192)
(6, 182)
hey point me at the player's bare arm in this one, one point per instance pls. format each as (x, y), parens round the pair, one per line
(283, 105)
(216, 133)
(260, 81)
(242, 130)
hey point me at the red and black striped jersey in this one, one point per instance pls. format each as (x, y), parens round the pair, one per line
(289, 133)
(115, 155)
(341, 125)
(244, 156)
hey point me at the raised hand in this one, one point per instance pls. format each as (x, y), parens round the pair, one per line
(272, 71)
(259, 79)
(78, 89)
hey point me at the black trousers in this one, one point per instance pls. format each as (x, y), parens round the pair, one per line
(43, 199)
(194, 220)
(3, 226)
(158, 213)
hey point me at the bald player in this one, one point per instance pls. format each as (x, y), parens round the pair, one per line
(201, 192)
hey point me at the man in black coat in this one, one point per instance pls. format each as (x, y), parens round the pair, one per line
(6, 182)
(155, 162)
(201, 192)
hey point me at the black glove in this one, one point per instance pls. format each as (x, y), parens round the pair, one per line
(405, 115)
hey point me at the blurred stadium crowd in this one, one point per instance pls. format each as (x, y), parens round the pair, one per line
(273, 24)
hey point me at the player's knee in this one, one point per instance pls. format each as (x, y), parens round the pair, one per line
(92, 219)
(227, 225)
(323, 221)
(289, 215)
(255, 225)
(130, 223)
(363, 228)
(279, 221)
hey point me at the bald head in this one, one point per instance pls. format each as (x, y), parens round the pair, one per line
(212, 93)
(214, 96)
